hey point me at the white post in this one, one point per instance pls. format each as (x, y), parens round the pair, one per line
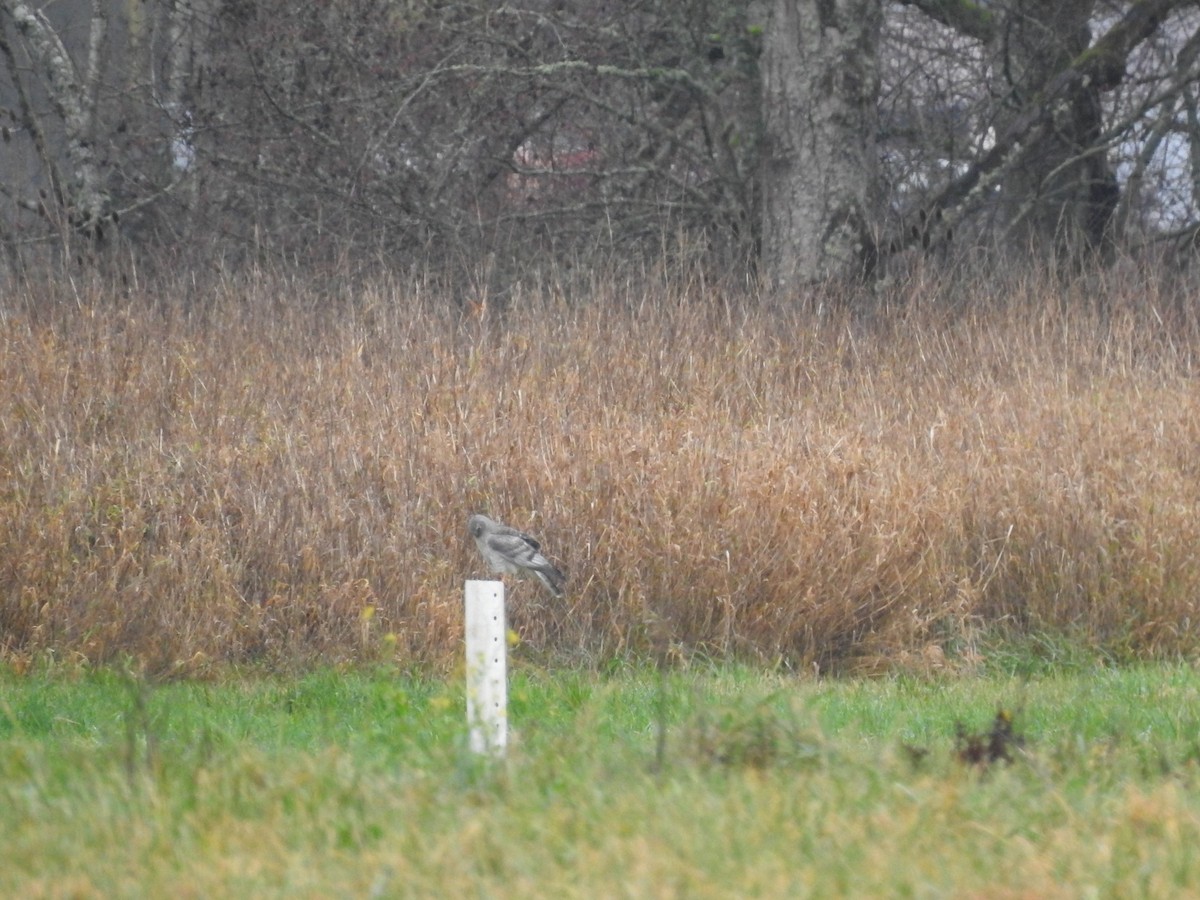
(487, 691)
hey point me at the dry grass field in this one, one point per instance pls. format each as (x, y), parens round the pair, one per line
(270, 472)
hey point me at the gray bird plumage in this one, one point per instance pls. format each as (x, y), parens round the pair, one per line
(507, 550)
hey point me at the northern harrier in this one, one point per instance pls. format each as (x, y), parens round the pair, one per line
(507, 550)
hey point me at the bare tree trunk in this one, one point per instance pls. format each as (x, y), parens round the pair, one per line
(1061, 192)
(74, 95)
(820, 167)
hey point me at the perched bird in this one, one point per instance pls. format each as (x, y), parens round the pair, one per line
(507, 550)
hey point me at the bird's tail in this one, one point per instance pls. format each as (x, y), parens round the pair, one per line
(554, 580)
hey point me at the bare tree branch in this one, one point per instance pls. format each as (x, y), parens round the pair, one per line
(964, 16)
(1102, 64)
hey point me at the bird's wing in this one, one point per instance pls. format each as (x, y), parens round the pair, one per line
(513, 545)
(512, 533)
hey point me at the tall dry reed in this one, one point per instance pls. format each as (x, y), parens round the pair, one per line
(269, 471)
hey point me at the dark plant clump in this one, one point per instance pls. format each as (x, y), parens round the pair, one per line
(997, 744)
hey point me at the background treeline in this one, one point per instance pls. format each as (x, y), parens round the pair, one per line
(790, 139)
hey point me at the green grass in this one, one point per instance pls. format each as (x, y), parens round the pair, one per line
(358, 784)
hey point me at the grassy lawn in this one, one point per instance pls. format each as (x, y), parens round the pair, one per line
(359, 784)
